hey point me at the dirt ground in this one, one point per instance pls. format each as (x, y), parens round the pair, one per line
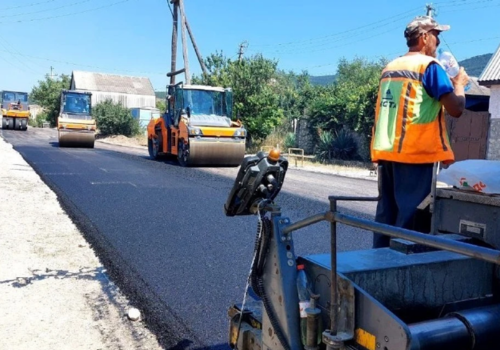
(55, 294)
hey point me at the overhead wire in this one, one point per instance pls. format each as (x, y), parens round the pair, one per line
(86, 65)
(45, 10)
(68, 14)
(27, 5)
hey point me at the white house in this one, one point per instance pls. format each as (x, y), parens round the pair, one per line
(131, 92)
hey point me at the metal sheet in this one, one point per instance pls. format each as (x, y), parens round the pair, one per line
(76, 139)
(221, 152)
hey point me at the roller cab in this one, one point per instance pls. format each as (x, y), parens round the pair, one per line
(197, 127)
(15, 110)
(75, 125)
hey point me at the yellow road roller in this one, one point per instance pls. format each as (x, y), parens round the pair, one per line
(197, 127)
(15, 110)
(75, 125)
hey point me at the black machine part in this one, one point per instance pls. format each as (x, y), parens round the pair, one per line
(259, 179)
(477, 329)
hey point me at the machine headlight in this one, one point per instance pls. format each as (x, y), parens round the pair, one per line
(240, 133)
(195, 131)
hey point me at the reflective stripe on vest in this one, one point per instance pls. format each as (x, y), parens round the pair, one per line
(409, 124)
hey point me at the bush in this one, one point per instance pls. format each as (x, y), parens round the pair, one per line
(38, 121)
(289, 140)
(114, 119)
(341, 145)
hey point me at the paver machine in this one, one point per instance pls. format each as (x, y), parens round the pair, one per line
(75, 125)
(425, 291)
(15, 110)
(197, 127)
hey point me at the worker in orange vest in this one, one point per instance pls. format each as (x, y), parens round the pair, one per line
(409, 133)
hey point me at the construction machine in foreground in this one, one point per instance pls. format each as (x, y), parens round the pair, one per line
(15, 110)
(426, 291)
(197, 127)
(75, 125)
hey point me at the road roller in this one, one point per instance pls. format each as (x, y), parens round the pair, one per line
(15, 110)
(197, 127)
(439, 290)
(75, 125)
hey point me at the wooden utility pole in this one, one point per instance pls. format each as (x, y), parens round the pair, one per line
(173, 63)
(184, 42)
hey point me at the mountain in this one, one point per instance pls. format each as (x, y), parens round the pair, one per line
(474, 66)
(322, 79)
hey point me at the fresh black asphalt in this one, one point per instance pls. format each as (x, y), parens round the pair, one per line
(161, 232)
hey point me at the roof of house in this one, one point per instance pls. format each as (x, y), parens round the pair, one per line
(92, 81)
(476, 89)
(491, 73)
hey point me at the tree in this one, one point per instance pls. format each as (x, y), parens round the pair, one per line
(160, 104)
(255, 86)
(48, 95)
(350, 101)
(114, 119)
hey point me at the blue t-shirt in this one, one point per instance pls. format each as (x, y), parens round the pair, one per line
(436, 82)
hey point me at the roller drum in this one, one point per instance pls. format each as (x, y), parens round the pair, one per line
(220, 152)
(76, 139)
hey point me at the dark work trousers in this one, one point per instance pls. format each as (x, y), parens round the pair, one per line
(404, 187)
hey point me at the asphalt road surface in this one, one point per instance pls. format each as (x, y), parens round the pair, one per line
(161, 231)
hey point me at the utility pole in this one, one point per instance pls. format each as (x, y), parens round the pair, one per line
(52, 75)
(430, 10)
(178, 10)
(173, 62)
(243, 46)
(184, 42)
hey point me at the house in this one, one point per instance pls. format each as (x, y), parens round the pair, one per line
(131, 92)
(469, 133)
(490, 77)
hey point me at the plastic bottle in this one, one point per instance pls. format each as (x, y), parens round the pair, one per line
(303, 290)
(450, 65)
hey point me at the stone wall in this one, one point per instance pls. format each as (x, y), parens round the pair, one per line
(303, 137)
(493, 152)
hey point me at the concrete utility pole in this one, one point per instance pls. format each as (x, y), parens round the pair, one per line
(52, 75)
(243, 46)
(173, 62)
(184, 42)
(178, 9)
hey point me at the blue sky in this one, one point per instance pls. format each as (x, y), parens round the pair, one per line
(132, 37)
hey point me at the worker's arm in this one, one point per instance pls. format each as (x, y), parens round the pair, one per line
(454, 102)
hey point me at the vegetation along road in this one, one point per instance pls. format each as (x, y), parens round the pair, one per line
(161, 231)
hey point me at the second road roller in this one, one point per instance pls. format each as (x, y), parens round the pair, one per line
(75, 125)
(197, 127)
(15, 110)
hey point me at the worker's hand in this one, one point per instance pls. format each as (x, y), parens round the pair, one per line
(461, 78)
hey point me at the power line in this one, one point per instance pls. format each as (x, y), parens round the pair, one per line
(27, 5)
(86, 65)
(315, 42)
(45, 10)
(68, 14)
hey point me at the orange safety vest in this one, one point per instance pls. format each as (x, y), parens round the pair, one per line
(409, 125)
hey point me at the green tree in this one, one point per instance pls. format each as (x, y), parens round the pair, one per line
(350, 101)
(114, 119)
(48, 95)
(255, 86)
(160, 104)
